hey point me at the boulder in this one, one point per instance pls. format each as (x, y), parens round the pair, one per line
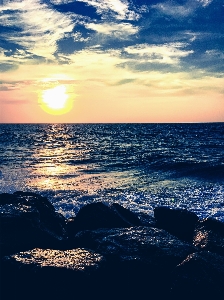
(179, 222)
(28, 220)
(147, 219)
(156, 246)
(199, 276)
(209, 235)
(98, 215)
(140, 258)
(52, 274)
(126, 215)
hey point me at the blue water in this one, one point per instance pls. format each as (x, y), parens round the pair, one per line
(137, 165)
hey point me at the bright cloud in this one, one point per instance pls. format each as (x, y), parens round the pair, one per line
(119, 8)
(59, 2)
(175, 10)
(119, 30)
(205, 2)
(166, 53)
(40, 26)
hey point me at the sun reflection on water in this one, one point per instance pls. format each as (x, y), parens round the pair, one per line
(66, 163)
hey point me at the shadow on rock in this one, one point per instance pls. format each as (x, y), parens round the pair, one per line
(27, 221)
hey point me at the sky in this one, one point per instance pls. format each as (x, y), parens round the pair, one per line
(107, 61)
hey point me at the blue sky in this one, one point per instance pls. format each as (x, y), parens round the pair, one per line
(121, 61)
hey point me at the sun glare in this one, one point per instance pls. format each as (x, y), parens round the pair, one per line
(56, 100)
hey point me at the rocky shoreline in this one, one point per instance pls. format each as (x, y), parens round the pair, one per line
(107, 252)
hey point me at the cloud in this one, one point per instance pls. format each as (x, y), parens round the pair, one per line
(215, 54)
(4, 88)
(119, 9)
(165, 53)
(205, 2)
(125, 81)
(118, 30)
(59, 2)
(4, 67)
(10, 85)
(210, 61)
(56, 32)
(77, 36)
(38, 26)
(175, 10)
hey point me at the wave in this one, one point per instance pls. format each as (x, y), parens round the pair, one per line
(191, 169)
(207, 172)
(75, 162)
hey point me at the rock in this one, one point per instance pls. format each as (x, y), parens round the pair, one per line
(179, 222)
(98, 215)
(52, 274)
(154, 245)
(209, 235)
(126, 215)
(147, 220)
(6, 198)
(141, 258)
(199, 276)
(115, 257)
(27, 221)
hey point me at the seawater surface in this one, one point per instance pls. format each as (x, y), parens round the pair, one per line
(139, 166)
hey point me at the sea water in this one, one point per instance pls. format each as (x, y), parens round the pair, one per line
(139, 166)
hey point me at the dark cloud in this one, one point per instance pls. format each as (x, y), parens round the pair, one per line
(4, 67)
(75, 41)
(125, 81)
(149, 66)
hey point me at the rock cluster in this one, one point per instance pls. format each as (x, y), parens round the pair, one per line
(107, 252)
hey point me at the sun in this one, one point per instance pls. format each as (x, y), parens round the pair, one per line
(56, 100)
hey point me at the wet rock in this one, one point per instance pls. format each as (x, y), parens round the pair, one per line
(179, 222)
(209, 235)
(154, 245)
(98, 215)
(52, 274)
(199, 276)
(28, 220)
(141, 258)
(126, 215)
(147, 220)
(6, 198)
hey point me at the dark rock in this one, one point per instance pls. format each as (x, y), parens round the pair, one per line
(6, 198)
(141, 258)
(98, 215)
(179, 222)
(28, 220)
(52, 274)
(199, 276)
(126, 261)
(126, 215)
(147, 220)
(154, 245)
(209, 235)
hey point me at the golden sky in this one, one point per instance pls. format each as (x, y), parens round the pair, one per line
(111, 61)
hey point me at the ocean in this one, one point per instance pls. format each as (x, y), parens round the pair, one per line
(139, 166)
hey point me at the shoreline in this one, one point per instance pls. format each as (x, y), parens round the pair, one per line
(104, 247)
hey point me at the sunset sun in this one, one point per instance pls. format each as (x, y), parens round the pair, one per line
(56, 100)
